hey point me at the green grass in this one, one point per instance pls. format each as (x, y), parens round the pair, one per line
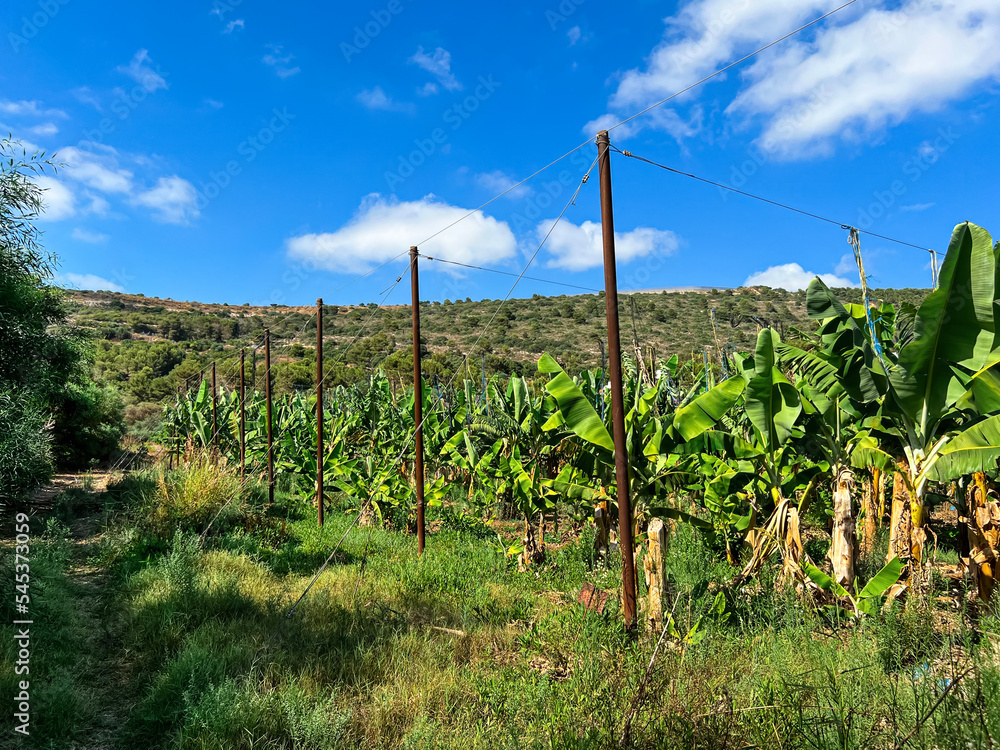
(206, 658)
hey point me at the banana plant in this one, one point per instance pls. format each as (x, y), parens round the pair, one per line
(941, 375)
(863, 602)
(528, 454)
(478, 469)
(648, 440)
(841, 381)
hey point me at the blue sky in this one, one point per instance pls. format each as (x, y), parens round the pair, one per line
(237, 152)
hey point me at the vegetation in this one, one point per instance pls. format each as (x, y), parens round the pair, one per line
(181, 645)
(867, 391)
(183, 608)
(150, 348)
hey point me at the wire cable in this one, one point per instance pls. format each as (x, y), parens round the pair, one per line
(508, 273)
(732, 65)
(411, 437)
(501, 195)
(785, 206)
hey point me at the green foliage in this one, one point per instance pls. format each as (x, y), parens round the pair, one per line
(25, 445)
(89, 423)
(41, 358)
(198, 653)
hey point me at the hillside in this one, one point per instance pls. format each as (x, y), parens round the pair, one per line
(153, 347)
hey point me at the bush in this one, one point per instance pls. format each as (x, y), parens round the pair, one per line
(189, 499)
(89, 423)
(25, 446)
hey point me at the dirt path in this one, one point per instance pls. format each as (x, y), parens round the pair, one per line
(102, 665)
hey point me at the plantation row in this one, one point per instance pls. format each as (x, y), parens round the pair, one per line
(868, 395)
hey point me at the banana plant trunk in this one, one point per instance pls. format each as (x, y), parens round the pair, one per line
(541, 532)
(780, 534)
(878, 478)
(869, 503)
(531, 554)
(842, 547)
(901, 523)
(983, 526)
(602, 523)
(919, 514)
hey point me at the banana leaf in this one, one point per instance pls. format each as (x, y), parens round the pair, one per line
(975, 449)
(772, 404)
(877, 586)
(577, 412)
(954, 325)
(705, 411)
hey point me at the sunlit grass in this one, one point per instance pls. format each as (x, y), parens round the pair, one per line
(459, 649)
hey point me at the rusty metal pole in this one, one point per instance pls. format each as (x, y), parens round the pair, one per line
(253, 367)
(243, 413)
(267, 396)
(418, 402)
(173, 436)
(615, 383)
(319, 408)
(215, 412)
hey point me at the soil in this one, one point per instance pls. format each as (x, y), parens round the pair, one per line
(102, 666)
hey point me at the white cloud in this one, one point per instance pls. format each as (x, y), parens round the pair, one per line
(872, 73)
(846, 265)
(428, 89)
(86, 281)
(438, 65)
(45, 129)
(574, 34)
(497, 182)
(173, 200)
(98, 205)
(98, 171)
(792, 277)
(667, 120)
(141, 71)
(58, 200)
(91, 238)
(578, 248)
(383, 228)
(917, 207)
(233, 25)
(214, 104)
(376, 98)
(280, 61)
(863, 71)
(85, 96)
(24, 108)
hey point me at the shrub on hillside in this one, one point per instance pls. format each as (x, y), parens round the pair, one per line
(25, 446)
(89, 421)
(189, 499)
